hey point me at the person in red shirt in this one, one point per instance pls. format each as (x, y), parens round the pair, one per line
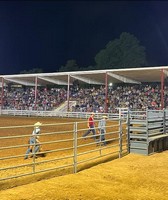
(91, 126)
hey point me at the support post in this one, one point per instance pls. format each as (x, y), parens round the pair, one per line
(164, 121)
(106, 93)
(68, 94)
(128, 131)
(35, 103)
(162, 89)
(147, 130)
(75, 146)
(2, 93)
(120, 136)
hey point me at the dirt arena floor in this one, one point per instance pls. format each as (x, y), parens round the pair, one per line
(132, 177)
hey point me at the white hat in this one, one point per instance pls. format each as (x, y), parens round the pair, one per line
(92, 113)
(37, 124)
(104, 116)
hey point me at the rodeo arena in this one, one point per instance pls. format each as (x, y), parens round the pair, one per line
(132, 101)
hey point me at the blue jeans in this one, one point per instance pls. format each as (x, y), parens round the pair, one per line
(32, 141)
(91, 129)
(102, 136)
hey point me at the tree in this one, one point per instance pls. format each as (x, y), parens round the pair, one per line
(121, 53)
(71, 65)
(32, 71)
(90, 67)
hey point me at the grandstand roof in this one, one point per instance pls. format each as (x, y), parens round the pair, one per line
(131, 75)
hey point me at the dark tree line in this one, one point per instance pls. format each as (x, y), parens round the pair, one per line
(124, 52)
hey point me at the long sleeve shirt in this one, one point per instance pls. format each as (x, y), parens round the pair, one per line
(102, 124)
(90, 122)
(36, 132)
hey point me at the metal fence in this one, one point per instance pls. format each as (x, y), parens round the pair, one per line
(147, 131)
(63, 147)
(84, 115)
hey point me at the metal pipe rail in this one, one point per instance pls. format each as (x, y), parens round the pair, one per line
(53, 113)
(148, 134)
(63, 148)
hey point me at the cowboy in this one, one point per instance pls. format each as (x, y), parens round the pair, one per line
(102, 129)
(34, 140)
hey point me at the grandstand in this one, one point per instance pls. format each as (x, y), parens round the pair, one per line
(106, 78)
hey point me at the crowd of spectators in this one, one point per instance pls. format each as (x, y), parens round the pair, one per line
(132, 96)
(87, 99)
(21, 98)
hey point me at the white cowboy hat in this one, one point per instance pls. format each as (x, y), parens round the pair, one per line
(37, 124)
(104, 116)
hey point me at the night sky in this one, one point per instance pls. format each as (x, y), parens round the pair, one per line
(45, 34)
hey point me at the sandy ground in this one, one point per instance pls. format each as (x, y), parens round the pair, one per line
(131, 177)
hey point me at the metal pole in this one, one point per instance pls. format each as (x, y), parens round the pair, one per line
(75, 147)
(68, 93)
(147, 130)
(120, 136)
(106, 93)
(128, 131)
(162, 89)
(34, 156)
(35, 93)
(164, 121)
(2, 93)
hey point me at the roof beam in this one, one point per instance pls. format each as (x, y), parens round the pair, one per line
(122, 78)
(165, 72)
(57, 82)
(27, 83)
(87, 80)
